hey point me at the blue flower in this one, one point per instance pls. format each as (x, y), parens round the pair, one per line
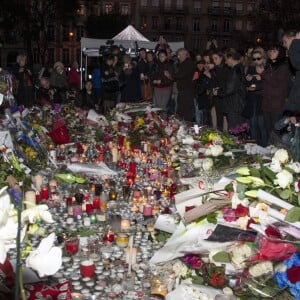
(281, 278)
(16, 195)
(294, 260)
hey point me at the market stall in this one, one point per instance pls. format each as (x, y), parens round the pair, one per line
(131, 206)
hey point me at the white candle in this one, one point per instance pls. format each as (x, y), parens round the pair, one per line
(38, 182)
(114, 153)
(133, 257)
(30, 198)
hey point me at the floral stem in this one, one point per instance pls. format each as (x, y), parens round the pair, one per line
(21, 284)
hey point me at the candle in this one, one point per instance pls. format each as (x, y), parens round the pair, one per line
(30, 198)
(88, 208)
(44, 193)
(77, 211)
(114, 153)
(131, 261)
(38, 182)
(87, 221)
(96, 203)
(132, 168)
(147, 210)
(125, 224)
(112, 195)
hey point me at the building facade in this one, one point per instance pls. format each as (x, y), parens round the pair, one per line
(230, 22)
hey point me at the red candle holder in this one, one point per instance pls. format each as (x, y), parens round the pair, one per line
(132, 168)
(44, 195)
(96, 203)
(88, 208)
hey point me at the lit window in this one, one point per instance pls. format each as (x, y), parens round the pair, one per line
(81, 10)
(108, 7)
(124, 9)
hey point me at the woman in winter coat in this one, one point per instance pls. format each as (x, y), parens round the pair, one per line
(162, 81)
(220, 74)
(253, 109)
(276, 83)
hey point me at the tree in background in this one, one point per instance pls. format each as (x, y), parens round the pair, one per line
(29, 21)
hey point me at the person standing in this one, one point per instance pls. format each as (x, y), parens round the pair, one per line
(185, 85)
(74, 77)
(235, 92)
(291, 41)
(276, 81)
(58, 81)
(253, 109)
(23, 76)
(220, 73)
(162, 83)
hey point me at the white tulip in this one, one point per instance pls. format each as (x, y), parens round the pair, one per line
(207, 164)
(284, 179)
(216, 150)
(275, 165)
(282, 156)
(261, 268)
(4, 205)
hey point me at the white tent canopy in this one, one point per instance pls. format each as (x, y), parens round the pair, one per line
(130, 34)
(129, 39)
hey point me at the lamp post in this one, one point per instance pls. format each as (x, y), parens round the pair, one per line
(71, 35)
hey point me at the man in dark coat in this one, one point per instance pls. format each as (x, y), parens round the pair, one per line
(184, 79)
(291, 41)
(235, 91)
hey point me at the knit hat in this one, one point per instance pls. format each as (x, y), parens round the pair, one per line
(58, 64)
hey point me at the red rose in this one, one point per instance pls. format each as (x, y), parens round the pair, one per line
(272, 231)
(293, 274)
(241, 211)
(217, 279)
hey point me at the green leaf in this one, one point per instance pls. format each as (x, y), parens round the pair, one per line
(285, 194)
(299, 199)
(251, 193)
(254, 172)
(212, 218)
(293, 215)
(221, 257)
(243, 171)
(257, 181)
(244, 180)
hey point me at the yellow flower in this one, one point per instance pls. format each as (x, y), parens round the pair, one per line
(139, 122)
(212, 135)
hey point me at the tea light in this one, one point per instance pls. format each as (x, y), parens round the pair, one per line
(122, 240)
(30, 198)
(44, 193)
(147, 210)
(125, 224)
(87, 221)
(114, 153)
(112, 195)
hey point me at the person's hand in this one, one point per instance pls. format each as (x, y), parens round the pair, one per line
(207, 73)
(167, 74)
(298, 35)
(106, 73)
(259, 70)
(249, 77)
(215, 91)
(251, 88)
(258, 77)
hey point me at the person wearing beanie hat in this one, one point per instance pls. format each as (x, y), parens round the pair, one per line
(58, 81)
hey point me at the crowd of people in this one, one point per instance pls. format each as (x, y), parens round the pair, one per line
(220, 88)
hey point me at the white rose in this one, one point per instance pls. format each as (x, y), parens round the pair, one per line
(242, 222)
(197, 163)
(180, 269)
(282, 156)
(240, 254)
(261, 268)
(216, 150)
(284, 179)
(207, 152)
(275, 165)
(207, 164)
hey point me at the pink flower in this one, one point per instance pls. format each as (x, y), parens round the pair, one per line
(229, 214)
(241, 211)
